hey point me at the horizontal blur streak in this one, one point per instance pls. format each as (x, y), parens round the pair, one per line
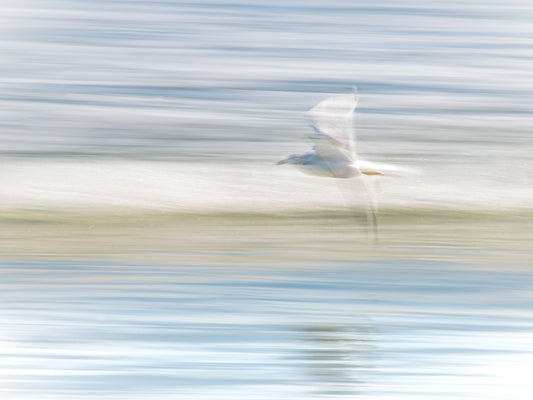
(126, 186)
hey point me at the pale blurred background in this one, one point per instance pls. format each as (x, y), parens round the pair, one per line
(445, 88)
(152, 249)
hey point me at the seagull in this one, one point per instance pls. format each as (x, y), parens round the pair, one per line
(333, 153)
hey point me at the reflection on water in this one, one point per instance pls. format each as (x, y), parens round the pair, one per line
(336, 358)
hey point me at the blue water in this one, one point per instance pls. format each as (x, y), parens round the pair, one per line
(381, 330)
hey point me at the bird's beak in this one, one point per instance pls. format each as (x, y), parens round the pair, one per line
(281, 162)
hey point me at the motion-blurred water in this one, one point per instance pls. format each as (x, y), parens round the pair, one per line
(445, 89)
(152, 249)
(408, 330)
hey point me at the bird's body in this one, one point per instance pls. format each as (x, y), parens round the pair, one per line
(333, 154)
(312, 163)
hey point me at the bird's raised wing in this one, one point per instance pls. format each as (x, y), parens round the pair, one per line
(332, 120)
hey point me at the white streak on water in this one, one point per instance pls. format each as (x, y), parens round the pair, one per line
(129, 186)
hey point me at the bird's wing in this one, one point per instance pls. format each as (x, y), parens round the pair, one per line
(357, 193)
(332, 120)
(371, 209)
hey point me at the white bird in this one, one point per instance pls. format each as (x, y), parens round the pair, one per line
(334, 153)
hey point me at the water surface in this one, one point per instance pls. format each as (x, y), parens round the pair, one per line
(151, 249)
